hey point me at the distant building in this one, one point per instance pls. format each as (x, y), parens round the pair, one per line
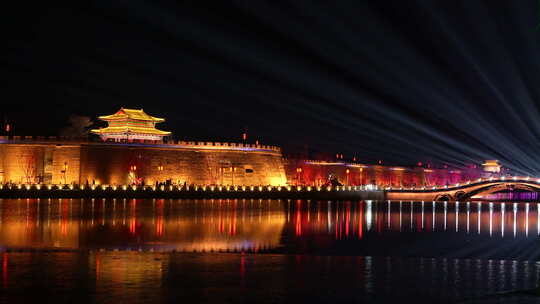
(131, 125)
(492, 166)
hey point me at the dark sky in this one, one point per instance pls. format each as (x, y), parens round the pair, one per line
(402, 81)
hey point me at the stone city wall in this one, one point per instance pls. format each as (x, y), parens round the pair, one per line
(59, 161)
(316, 173)
(63, 161)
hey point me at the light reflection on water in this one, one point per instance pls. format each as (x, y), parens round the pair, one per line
(329, 251)
(138, 277)
(239, 225)
(146, 224)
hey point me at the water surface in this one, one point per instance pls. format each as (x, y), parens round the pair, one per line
(267, 251)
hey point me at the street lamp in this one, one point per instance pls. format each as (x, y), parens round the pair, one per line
(132, 170)
(64, 172)
(221, 175)
(347, 171)
(298, 175)
(233, 169)
(160, 169)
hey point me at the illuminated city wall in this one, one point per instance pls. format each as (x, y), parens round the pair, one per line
(308, 172)
(112, 164)
(59, 162)
(39, 163)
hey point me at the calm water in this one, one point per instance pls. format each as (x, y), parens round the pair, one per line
(267, 251)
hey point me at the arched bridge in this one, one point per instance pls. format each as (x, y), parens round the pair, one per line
(464, 191)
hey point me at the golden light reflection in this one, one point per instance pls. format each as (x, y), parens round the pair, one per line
(180, 225)
(243, 225)
(130, 268)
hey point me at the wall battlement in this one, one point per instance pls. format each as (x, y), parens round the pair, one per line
(170, 143)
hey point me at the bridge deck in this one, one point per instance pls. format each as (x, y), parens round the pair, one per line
(465, 190)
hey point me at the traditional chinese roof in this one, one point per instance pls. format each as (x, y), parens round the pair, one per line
(131, 114)
(128, 129)
(491, 162)
(130, 121)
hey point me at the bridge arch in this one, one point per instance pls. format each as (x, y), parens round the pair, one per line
(444, 197)
(496, 187)
(460, 195)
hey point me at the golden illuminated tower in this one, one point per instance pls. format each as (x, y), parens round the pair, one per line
(492, 166)
(131, 125)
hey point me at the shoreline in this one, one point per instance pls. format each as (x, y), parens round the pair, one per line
(262, 192)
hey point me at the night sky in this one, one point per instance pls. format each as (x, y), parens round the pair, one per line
(402, 81)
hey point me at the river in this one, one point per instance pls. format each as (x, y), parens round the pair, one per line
(267, 251)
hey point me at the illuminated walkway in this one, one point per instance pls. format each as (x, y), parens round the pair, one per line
(190, 191)
(457, 192)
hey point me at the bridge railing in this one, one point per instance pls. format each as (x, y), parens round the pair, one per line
(470, 183)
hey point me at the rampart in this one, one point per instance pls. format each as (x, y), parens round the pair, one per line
(316, 173)
(61, 160)
(58, 160)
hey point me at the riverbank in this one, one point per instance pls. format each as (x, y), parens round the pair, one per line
(125, 191)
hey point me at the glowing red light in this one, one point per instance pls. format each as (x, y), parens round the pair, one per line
(242, 265)
(5, 268)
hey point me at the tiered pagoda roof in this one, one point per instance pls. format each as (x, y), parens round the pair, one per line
(131, 124)
(124, 114)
